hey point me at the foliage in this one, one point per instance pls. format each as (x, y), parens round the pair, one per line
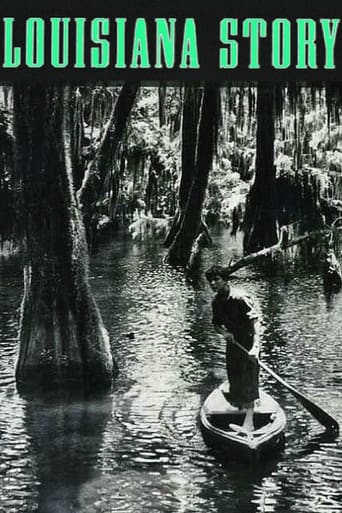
(145, 174)
(147, 226)
(151, 156)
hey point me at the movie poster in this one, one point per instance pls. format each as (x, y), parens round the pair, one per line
(143, 143)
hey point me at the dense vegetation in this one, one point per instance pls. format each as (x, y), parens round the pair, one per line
(129, 157)
(168, 161)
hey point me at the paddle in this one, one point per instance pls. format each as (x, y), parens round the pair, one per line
(322, 416)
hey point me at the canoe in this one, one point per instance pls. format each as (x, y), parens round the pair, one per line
(217, 414)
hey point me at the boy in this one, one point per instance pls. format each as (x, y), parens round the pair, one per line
(237, 321)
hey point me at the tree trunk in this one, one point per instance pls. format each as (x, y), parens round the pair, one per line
(62, 340)
(191, 114)
(161, 102)
(189, 228)
(77, 135)
(260, 218)
(91, 188)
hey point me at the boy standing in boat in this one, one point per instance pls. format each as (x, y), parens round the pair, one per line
(235, 318)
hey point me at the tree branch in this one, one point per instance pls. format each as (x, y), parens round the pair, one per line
(281, 245)
(111, 135)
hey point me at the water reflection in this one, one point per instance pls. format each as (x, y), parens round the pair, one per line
(330, 297)
(141, 449)
(66, 433)
(316, 443)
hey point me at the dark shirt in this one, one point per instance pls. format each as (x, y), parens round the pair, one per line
(236, 312)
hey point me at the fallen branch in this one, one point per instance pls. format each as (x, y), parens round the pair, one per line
(281, 245)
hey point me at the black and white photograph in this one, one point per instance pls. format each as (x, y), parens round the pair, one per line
(170, 279)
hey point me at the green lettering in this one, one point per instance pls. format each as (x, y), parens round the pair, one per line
(120, 43)
(165, 42)
(254, 28)
(79, 41)
(140, 46)
(329, 27)
(228, 56)
(35, 42)
(100, 57)
(281, 36)
(306, 51)
(12, 55)
(56, 60)
(189, 47)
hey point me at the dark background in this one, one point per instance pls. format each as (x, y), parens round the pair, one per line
(207, 16)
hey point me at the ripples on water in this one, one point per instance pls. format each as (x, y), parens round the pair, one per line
(140, 449)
